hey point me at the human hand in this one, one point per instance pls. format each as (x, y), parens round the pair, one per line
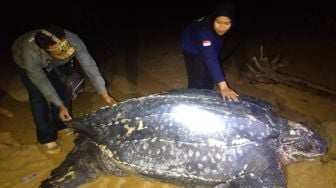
(227, 92)
(108, 99)
(64, 113)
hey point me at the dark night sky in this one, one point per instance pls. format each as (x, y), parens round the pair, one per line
(110, 13)
(90, 16)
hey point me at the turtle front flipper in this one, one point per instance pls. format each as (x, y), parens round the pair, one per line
(79, 167)
(261, 167)
(250, 181)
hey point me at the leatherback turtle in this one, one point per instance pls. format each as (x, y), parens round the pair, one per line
(190, 137)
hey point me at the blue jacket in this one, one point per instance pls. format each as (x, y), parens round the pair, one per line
(198, 39)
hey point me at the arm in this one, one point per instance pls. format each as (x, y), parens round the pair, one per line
(38, 77)
(90, 68)
(210, 57)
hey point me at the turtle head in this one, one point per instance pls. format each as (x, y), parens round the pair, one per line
(300, 143)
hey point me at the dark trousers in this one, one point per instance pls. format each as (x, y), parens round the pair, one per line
(198, 73)
(45, 114)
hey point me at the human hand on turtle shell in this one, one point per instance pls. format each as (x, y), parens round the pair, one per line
(108, 99)
(226, 92)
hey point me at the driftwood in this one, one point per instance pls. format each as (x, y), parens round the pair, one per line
(267, 71)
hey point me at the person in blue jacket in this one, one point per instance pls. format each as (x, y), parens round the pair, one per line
(42, 56)
(202, 42)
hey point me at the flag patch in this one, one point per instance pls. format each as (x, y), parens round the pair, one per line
(206, 43)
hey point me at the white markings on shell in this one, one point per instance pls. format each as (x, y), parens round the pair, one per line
(197, 153)
(172, 152)
(164, 148)
(223, 158)
(228, 113)
(104, 107)
(104, 150)
(229, 158)
(70, 174)
(190, 153)
(212, 158)
(207, 170)
(239, 151)
(251, 118)
(240, 141)
(130, 130)
(295, 125)
(292, 132)
(213, 142)
(130, 167)
(154, 139)
(145, 146)
(251, 133)
(124, 120)
(242, 172)
(140, 126)
(270, 120)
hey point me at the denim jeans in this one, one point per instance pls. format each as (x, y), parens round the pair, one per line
(45, 114)
(199, 76)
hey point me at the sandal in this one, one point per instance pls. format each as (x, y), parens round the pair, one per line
(51, 147)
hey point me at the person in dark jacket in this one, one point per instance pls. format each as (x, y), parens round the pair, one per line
(202, 42)
(42, 56)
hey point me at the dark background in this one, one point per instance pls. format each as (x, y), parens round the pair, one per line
(81, 16)
(87, 18)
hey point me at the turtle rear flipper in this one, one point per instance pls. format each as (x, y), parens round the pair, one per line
(79, 167)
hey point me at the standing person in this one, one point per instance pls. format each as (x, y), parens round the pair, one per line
(42, 56)
(202, 42)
